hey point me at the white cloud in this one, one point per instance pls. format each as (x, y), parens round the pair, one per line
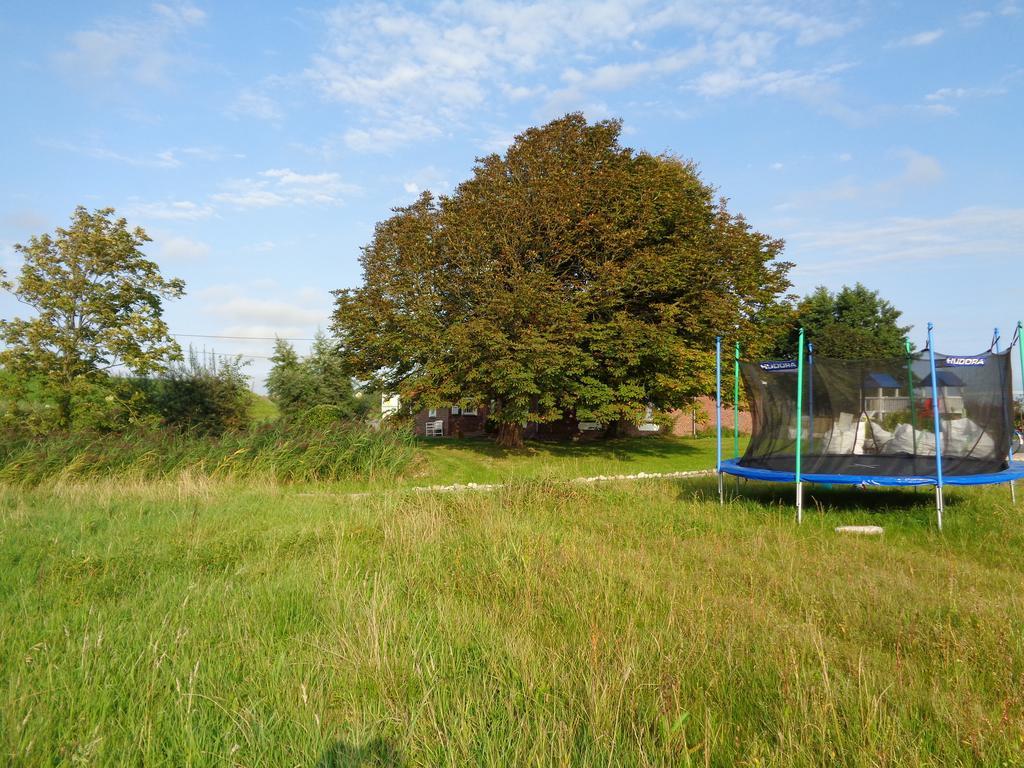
(180, 15)
(614, 77)
(177, 210)
(393, 66)
(384, 138)
(270, 313)
(946, 93)
(263, 304)
(283, 186)
(919, 39)
(936, 109)
(146, 49)
(940, 98)
(178, 248)
(971, 233)
(845, 157)
(252, 103)
(974, 18)
(163, 159)
(810, 84)
(428, 177)
(918, 168)
(777, 166)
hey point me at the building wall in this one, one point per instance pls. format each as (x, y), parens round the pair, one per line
(685, 424)
(704, 409)
(455, 425)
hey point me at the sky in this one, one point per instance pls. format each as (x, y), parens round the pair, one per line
(880, 140)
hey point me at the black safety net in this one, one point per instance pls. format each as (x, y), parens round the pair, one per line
(875, 417)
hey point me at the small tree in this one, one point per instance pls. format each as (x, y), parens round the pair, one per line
(318, 380)
(287, 383)
(98, 304)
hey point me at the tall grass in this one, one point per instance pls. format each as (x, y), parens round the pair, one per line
(544, 624)
(281, 452)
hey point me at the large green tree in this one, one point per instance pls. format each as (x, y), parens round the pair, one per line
(97, 304)
(570, 274)
(853, 323)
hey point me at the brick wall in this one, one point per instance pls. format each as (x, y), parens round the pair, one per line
(705, 407)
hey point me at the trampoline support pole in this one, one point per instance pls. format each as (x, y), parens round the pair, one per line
(910, 392)
(718, 417)
(799, 426)
(736, 404)
(1020, 350)
(736, 415)
(995, 343)
(938, 429)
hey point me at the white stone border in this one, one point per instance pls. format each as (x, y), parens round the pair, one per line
(462, 487)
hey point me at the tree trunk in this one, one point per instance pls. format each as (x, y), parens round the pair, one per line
(510, 434)
(612, 430)
(64, 411)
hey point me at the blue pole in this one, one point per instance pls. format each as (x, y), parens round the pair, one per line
(938, 427)
(1007, 411)
(810, 391)
(799, 427)
(718, 415)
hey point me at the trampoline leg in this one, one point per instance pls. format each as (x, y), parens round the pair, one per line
(939, 504)
(1013, 493)
(721, 489)
(799, 502)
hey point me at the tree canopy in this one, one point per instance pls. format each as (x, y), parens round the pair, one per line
(853, 323)
(569, 274)
(97, 302)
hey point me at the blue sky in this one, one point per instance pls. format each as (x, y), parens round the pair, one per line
(881, 140)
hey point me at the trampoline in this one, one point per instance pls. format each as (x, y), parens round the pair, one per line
(923, 419)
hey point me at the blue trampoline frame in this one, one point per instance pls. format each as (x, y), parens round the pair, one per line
(1014, 472)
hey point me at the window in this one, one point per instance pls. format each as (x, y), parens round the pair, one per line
(455, 410)
(469, 411)
(432, 413)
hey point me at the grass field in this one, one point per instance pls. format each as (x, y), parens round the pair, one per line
(481, 461)
(190, 623)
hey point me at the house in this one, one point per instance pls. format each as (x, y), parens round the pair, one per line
(452, 421)
(462, 421)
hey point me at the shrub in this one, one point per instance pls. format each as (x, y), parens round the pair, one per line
(283, 452)
(323, 416)
(207, 396)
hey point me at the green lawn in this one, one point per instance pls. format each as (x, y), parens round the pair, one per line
(634, 623)
(481, 461)
(262, 409)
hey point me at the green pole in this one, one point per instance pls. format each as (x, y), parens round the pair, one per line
(910, 390)
(736, 404)
(799, 426)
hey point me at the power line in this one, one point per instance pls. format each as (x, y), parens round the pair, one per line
(238, 338)
(232, 354)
